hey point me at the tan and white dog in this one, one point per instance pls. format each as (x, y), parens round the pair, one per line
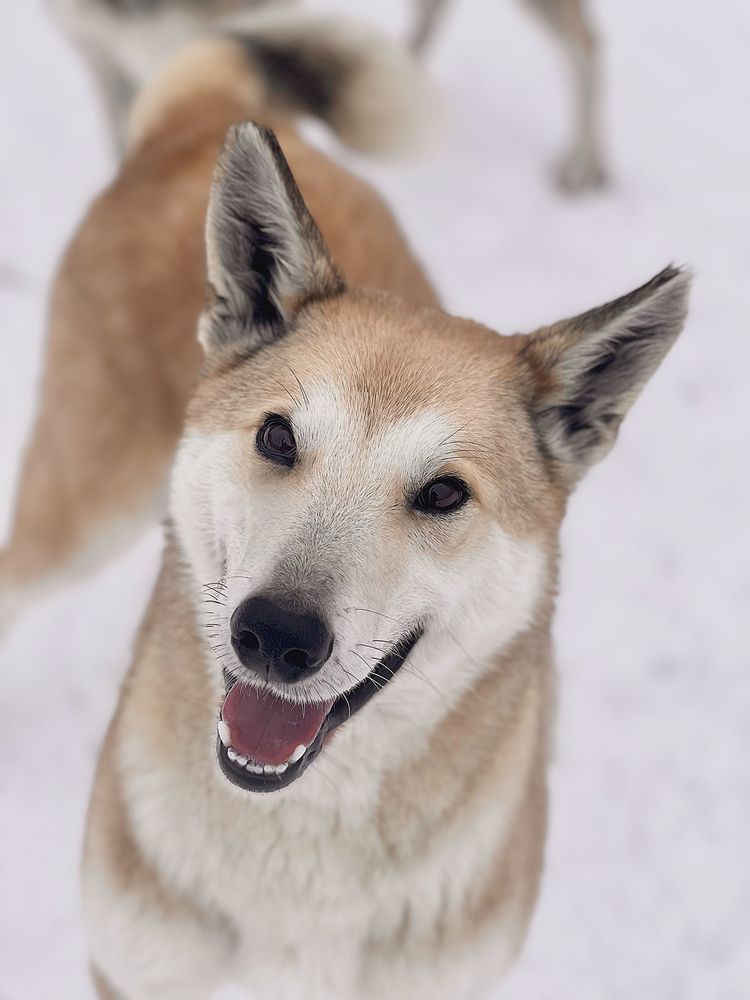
(326, 774)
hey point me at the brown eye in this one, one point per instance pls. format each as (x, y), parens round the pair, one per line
(442, 496)
(276, 441)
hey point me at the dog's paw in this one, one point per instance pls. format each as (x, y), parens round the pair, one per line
(580, 171)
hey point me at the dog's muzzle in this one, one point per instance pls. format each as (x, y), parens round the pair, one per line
(266, 741)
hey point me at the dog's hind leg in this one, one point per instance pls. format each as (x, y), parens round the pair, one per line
(102, 988)
(75, 509)
(428, 14)
(121, 357)
(95, 470)
(582, 166)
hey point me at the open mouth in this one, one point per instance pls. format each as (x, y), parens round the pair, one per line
(265, 742)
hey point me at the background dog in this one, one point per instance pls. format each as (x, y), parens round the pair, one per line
(126, 40)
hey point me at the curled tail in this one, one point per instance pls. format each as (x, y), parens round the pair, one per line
(367, 87)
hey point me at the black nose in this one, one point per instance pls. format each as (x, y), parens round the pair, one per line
(279, 641)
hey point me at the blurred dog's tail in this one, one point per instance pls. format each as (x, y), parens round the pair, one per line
(367, 87)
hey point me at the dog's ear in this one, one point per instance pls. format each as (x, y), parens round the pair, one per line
(266, 257)
(587, 371)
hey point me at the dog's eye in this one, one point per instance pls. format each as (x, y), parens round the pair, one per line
(442, 496)
(276, 441)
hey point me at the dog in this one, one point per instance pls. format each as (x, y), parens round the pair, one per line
(325, 777)
(123, 40)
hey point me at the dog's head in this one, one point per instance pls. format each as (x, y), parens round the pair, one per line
(369, 492)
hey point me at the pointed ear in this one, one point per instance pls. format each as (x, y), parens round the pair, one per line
(587, 371)
(266, 257)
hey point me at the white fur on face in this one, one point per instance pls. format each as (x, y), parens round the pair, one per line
(339, 527)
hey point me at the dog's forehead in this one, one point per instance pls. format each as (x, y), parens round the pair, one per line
(331, 416)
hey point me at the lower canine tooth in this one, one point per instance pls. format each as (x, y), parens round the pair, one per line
(223, 730)
(298, 752)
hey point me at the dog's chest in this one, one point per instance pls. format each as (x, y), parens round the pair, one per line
(292, 889)
(288, 865)
(302, 886)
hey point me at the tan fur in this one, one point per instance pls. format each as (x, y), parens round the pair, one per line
(122, 354)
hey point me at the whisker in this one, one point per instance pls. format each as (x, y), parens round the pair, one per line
(370, 677)
(341, 694)
(301, 387)
(451, 436)
(382, 652)
(468, 655)
(380, 614)
(349, 674)
(286, 390)
(417, 671)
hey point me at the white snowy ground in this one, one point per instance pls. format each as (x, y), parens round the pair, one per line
(647, 890)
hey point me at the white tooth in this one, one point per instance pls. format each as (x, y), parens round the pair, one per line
(281, 768)
(254, 769)
(223, 730)
(231, 753)
(242, 761)
(298, 752)
(269, 768)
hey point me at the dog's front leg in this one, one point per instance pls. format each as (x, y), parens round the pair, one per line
(148, 939)
(150, 945)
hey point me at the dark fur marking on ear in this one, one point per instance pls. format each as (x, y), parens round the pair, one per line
(265, 313)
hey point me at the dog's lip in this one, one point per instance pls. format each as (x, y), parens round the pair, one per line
(343, 708)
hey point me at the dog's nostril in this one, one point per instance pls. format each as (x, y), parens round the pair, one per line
(249, 640)
(296, 658)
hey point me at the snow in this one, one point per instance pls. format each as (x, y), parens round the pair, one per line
(647, 887)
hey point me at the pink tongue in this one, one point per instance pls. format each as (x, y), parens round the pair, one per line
(268, 728)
